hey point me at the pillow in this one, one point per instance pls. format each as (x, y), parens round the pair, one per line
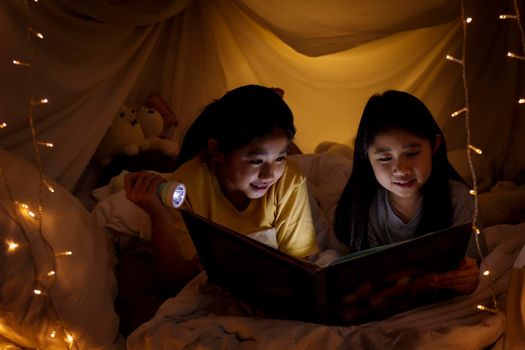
(81, 292)
(482, 167)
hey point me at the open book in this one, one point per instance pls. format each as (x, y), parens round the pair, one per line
(356, 288)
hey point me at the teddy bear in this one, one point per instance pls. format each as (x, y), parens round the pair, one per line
(152, 124)
(124, 135)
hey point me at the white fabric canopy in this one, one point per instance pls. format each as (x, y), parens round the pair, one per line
(329, 57)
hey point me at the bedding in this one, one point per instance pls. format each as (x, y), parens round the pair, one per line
(202, 316)
(84, 308)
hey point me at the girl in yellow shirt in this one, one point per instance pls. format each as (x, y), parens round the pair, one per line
(233, 163)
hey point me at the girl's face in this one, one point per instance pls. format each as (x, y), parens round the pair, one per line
(248, 172)
(402, 162)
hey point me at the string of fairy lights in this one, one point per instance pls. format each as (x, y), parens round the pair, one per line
(57, 333)
(470, 147)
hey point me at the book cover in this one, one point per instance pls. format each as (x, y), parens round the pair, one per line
(361, 287)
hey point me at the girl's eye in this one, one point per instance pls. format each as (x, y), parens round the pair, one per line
(412, 154)
(255, 161)
(384, 159)
(281, 159)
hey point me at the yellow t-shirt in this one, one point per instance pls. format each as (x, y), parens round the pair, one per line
(284, 207)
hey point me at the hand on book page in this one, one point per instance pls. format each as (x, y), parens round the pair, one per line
(464, 279)
(397, 291)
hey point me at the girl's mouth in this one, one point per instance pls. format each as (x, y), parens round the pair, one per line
(405, 183)
(260, 188)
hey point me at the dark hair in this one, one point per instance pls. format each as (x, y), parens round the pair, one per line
(235, 120)
(383, 112)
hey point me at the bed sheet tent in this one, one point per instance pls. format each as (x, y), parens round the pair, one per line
(328, 56)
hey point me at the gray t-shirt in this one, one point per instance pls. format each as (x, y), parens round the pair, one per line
(385, 227)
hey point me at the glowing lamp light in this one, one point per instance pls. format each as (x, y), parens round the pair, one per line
(486, 273)
(521, 101)
(3, 125)
(507, 16)
(468, 20)
(38, 292)
(473, 192)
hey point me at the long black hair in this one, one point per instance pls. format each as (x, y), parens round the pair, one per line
(240, 116)
(393, 110)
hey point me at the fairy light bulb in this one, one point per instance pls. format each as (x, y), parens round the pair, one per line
(453, 59)
(3, 125)
(459, 111)
(65, 253)
(469, 20)
(11, 246)
(475, 149)
(473, 192)
(486, 308)
(20, 63)
(486, 273)
(51, 273)
(53, 333)
(45, 144)
(38, 291)
(507, 16)
(40, 101)
(521, 100)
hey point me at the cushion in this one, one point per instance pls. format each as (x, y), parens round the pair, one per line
(79, 297)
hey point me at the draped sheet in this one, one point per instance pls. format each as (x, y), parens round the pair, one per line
(328, 56)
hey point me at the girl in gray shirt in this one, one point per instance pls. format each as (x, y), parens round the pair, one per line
(402, 184)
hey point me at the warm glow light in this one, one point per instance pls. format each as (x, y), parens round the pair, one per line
(486, 273)
(521, 100)
(469, 19)
(11, 246)
(20, 63)
(69, 339)
(39, 102)
(49, 187)
(53, 333)
(3, 125)
(513, 55)
(458, 112)
(508, 16)
(31, 214)
(51, 273)
(67, 252)
(476, 230)
(484, 308)
(453, 59)
(475, 149)
(46, 144)
(473, 192)
(37, 292)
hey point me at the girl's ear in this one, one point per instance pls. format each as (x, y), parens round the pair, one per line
(213, 148)
(437, 143)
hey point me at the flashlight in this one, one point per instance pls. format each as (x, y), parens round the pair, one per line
(171, 193)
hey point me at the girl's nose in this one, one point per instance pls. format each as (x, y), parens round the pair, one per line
(267, 171)
(401, 168)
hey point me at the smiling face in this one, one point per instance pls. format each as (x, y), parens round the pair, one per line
(402, 163)
(248, 172)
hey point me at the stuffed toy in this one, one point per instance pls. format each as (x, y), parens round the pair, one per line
(124, 135)
(152, 124)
